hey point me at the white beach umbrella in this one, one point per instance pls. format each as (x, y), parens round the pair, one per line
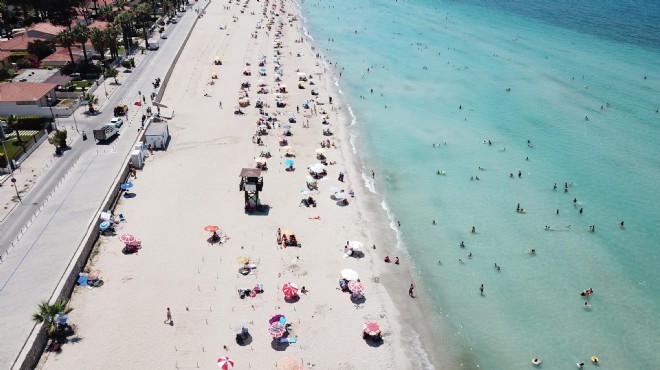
(355, 244)
(334, 189)
(341, 196)
(320, 151)
(349, 274)
(316, 169)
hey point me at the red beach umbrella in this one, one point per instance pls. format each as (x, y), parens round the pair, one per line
(127, 238)
(211, 228)
(371, 328)
(355, 286)
(290, 290)
(277, 329)
(225, 363)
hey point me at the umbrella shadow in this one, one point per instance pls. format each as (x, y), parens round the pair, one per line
(243, 340)
(262, 210)
(342, 203)
(358, 300)
(276, 345)
(128, 195)
(373, 341)
(213, 240)
(292, 299)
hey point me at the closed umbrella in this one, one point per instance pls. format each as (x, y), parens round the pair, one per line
(371, 328)
(290, 290)
(225, 363)
(349, 274)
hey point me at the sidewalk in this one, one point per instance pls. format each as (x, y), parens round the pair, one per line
(27, 175)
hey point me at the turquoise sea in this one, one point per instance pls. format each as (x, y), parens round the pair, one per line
(584, 80)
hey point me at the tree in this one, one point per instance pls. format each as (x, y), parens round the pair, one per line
(81, 34)
(62, 12)
(48, 313)
(98, 41)
(142, 13)
(66, 39)
(40, 48)
(168, 8)
(59, 138)
(113, 72)
(91, 100)
(12, 121)
(110, 34)
(125, 21)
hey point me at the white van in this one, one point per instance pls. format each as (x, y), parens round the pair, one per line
(153, 45)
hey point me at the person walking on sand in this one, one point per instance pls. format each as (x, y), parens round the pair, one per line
(169, 317)
(410, 291)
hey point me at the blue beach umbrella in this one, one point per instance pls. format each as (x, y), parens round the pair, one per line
(288, 162)
(126, 185)
(104, 225)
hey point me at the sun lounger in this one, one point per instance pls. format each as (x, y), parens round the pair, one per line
(288, 340)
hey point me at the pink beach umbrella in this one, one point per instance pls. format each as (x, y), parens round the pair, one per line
(290, 290)
(355, 286)
(225, 363)
(277, 329)
(127, 238)
(371, 328)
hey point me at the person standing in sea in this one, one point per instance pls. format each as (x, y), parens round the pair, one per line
(410, 291)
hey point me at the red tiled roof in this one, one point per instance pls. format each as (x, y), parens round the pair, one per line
(47, 28)
(4, 55)
(62, 55)
(101, 25)
(17, 43)
(24, 91)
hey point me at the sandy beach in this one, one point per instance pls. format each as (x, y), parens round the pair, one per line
(195, 183)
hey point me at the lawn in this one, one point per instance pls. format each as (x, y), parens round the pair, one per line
(12, 146)
(82, 84)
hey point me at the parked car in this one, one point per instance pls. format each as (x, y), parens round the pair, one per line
(173, 20)
(163, 36)
(117, 121)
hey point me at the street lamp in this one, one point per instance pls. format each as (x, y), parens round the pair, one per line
(104, 78)
(13, 180)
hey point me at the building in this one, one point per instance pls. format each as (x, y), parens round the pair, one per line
(27, 98)
(18, 43)
(61, 57)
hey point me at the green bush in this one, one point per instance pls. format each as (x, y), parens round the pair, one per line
(31, 122)
(126, 63)
(3, 160)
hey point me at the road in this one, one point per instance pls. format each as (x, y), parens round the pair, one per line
(73, 189)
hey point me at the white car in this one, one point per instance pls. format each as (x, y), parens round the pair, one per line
(163, 36)
(117, 121)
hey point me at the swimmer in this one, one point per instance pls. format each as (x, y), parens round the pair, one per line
(547, 227)
(574, 202)
(471, 178)
(476, 177)
(554, 187)
(470, 255)
(460, 260)
(581, 210)
(519, 174)
(511, 174)
(396, 261)
(474, 231)
(481, 289)
(433, 222)
(580, 365)
(462, 245)
(621, 225)
(532, 252)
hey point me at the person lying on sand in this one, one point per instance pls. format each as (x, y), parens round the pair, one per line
(315, 218)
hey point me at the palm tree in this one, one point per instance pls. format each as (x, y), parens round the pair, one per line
(81, 35)
(91, 100)
(66, 39)
(125, 21)
(142, 12)
(113, 72)
(47, 314)
(110, 35)
(12, 121)
(98, 41)
(168, 8)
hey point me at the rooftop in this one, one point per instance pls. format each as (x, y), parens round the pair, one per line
(24, 91)
(35, 75)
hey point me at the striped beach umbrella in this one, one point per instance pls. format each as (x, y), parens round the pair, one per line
(225, 363)
(371, 328)
(127, 238)
(277, 329)
(290, 290)
(355, 286)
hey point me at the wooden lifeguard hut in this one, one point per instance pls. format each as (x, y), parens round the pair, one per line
(251, 184)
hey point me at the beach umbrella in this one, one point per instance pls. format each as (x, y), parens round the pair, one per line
(127, 238)
(288, 232)
(126, 185)
(134, 243)
(277, 329)
(317, 168)
(93, 275)
(341, 196)
(288, 147)
(61, 319)
(287, 363)
(287, 127)
(371, 328)
(301, 74)
(288, 162)
(105, 225)
(305, 192)
(320, 151)
(355, 244)
(349, 274)
(310, 180)
(290, 290)
(262, 127)
(265, 150)
(334, 189)
(243, 260)
(355, 286)
(211, 228)
(260, 160)
(277, 318)
(225, 363)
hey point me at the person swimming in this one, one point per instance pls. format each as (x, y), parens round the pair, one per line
(462, 244)
(470, 255)
(621, 225)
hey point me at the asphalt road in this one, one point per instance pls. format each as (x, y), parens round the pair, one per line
(85, 175)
